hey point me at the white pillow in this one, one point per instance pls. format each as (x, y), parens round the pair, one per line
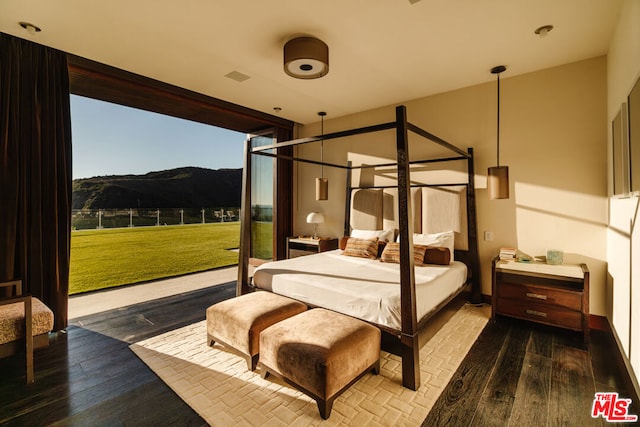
(383, 235)
(444, 239)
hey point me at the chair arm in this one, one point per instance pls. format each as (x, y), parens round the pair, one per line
(16, 283)
(13, 300)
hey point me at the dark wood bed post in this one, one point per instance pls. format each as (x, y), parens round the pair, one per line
(472, 232)
(245, 224)
(347, 204)
(409, 337)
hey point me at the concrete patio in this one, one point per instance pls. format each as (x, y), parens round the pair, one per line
(109, 299)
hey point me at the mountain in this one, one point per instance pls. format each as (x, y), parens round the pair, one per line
(187, 187)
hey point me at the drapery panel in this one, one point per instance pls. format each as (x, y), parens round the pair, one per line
(35, 171)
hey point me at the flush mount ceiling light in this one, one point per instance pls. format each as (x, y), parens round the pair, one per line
(544, 30)
(31, 29)
(306, 58)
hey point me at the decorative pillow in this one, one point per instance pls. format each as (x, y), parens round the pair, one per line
(437, 255)
(391, 253)
(363, 248)
(444, 239)
(386, 235)
(343, 242)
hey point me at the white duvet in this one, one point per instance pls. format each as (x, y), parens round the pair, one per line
(363, 288)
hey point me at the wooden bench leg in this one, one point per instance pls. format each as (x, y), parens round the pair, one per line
(264, 372)
(324, 407)
(252, 362)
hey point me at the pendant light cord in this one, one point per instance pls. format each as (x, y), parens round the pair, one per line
(322, 114)
(322, 147)
(498, 131)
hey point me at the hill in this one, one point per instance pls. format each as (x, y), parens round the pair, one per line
(187, 187)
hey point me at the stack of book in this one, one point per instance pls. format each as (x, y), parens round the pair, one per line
(507, 253)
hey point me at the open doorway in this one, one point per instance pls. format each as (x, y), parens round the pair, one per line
(97, 81)
(154, 196)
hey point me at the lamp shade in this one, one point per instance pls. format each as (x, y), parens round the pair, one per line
(498, 182)
(306, 58)
(315, 218)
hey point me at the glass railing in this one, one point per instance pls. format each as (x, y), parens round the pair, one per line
(85, 219)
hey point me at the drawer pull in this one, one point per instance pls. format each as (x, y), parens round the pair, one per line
(536, 313)
(536, 296)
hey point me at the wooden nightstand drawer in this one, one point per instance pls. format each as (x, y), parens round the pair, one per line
(542, 295)
(557, 316)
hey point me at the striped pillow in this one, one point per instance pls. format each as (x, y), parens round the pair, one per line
(391, 253)
(363, 248)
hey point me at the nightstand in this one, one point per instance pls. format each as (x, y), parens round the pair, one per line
(556, 295)
(299, 246)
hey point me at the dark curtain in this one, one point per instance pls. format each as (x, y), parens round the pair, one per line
(35, 171)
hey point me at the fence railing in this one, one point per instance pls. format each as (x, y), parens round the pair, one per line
(84, 219)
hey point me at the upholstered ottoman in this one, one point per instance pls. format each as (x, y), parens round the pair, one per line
(238, 322)
(321, 353)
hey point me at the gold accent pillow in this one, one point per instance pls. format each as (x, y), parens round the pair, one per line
(363, 248)
(391, 253)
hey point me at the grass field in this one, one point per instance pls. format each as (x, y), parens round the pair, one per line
(107, 258)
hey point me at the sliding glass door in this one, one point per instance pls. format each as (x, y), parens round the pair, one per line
(262, 200)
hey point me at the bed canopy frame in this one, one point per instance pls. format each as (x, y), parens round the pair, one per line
(407, 339)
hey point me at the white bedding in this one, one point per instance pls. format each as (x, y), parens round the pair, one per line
(364, 288)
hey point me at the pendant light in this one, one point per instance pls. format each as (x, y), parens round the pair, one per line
(498, 176)
(322, 183)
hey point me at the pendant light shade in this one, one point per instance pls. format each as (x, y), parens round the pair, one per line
(306, 58)
(498, 182)
(322, 188)
(322, 183)
(498, 176)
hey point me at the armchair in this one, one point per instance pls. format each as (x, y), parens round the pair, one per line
(24, 321)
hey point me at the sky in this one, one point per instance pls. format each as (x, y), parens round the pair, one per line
(109, 139)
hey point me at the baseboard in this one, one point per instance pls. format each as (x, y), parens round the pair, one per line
(486, 299)
(624, 364)
(600, 323)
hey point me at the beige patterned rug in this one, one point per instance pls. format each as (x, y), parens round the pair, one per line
(216, 384)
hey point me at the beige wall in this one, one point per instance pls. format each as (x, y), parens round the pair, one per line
(623, 69)
(553, 138)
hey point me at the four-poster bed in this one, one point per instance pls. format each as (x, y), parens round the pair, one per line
(412, 209)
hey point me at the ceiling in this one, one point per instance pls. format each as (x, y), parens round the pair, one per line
(381, 52)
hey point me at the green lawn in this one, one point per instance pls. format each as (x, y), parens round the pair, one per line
(107, 258)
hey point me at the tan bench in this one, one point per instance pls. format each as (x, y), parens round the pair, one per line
(238, 322)
(321, 353)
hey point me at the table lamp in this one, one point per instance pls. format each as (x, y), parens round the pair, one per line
(315, 218)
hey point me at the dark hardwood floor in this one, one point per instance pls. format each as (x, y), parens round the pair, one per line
(522, 374)
(516, 374)
(88, 376)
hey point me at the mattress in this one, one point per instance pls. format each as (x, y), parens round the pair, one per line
(364, 288)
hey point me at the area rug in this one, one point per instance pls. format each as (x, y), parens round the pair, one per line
(216, 384)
